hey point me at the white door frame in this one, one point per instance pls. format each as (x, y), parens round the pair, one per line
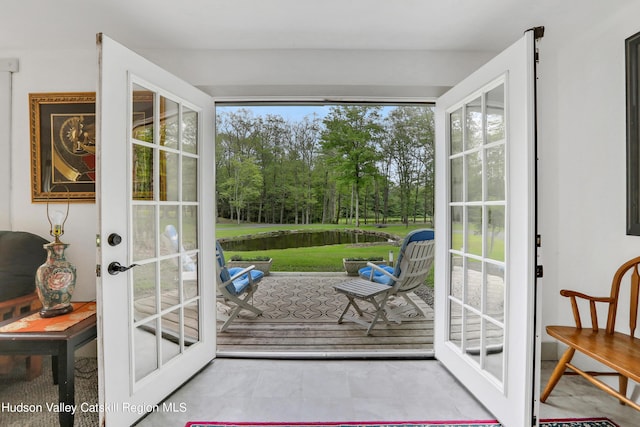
(123, 399)
(512, 401)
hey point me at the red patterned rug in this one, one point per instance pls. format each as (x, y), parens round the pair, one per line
(582, 422)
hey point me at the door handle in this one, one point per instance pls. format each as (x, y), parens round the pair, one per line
(115, 268)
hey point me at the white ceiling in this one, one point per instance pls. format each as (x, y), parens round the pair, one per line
(458, 25)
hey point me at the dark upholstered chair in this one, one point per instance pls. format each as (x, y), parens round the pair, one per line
(21, 254)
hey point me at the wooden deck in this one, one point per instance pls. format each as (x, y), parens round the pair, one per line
(300, 318)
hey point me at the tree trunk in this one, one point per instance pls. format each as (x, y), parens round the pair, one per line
(366, 198)
(357, 197)
(351, 206)
(325, 198)
(385, 212)
(282, 209)
(376, 201)
(415, 204)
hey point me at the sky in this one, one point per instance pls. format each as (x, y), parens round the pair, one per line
(291, 113)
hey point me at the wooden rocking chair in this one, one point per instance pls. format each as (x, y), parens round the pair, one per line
(378, 284)
(236, 287)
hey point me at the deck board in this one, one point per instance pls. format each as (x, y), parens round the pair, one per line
(303, 318)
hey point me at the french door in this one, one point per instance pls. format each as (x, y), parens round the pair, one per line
(485, 229)
(155, 203)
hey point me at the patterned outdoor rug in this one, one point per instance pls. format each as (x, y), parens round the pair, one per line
(586, 422)
(303, 298)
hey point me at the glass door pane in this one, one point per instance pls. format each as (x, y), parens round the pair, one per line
(164, 216)
(477, 229)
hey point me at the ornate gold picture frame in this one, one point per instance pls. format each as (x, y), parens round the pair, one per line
(63, 136)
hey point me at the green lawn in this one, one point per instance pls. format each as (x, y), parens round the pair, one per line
(316, 258)
(329, 258)
(475, 244)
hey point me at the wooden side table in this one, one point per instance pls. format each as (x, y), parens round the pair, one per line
(59, 337)
(12, 309)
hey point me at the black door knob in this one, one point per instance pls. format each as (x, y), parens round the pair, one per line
(114, 239)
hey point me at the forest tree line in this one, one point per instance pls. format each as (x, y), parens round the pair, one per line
(359, 164)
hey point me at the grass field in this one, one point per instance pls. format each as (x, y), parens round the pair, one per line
(315, 258)
(329, 258)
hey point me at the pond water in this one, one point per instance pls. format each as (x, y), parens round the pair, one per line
(301, 240)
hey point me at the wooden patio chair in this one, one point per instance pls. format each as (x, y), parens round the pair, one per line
(236, 287)
(379, 284)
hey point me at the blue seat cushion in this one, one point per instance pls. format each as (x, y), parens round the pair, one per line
(240, 284)
(365, 273)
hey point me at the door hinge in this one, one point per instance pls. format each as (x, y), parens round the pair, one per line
(534, 421)
(98, 270)
(539, 271)
(538, 240)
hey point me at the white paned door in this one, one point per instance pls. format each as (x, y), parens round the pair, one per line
(156, 278)
(485, 233)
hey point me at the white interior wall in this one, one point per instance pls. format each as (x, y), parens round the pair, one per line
(5, 146)
(7, 67)
(582, 141)
(583, 157)
(320, 73)
(51, 71)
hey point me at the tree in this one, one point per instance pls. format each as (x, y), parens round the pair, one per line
(313, 170)
(350, 141)
(411, 146)
(243, 186)
(304, 145)
(272, 131)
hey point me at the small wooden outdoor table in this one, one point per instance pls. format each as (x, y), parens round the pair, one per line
(367, 291)
(59, 337)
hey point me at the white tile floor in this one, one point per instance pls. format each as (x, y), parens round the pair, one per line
(285, 390)
(574, 397)
(349, 390)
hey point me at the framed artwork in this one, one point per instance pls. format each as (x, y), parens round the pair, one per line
(63, 150)
(632, 56)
